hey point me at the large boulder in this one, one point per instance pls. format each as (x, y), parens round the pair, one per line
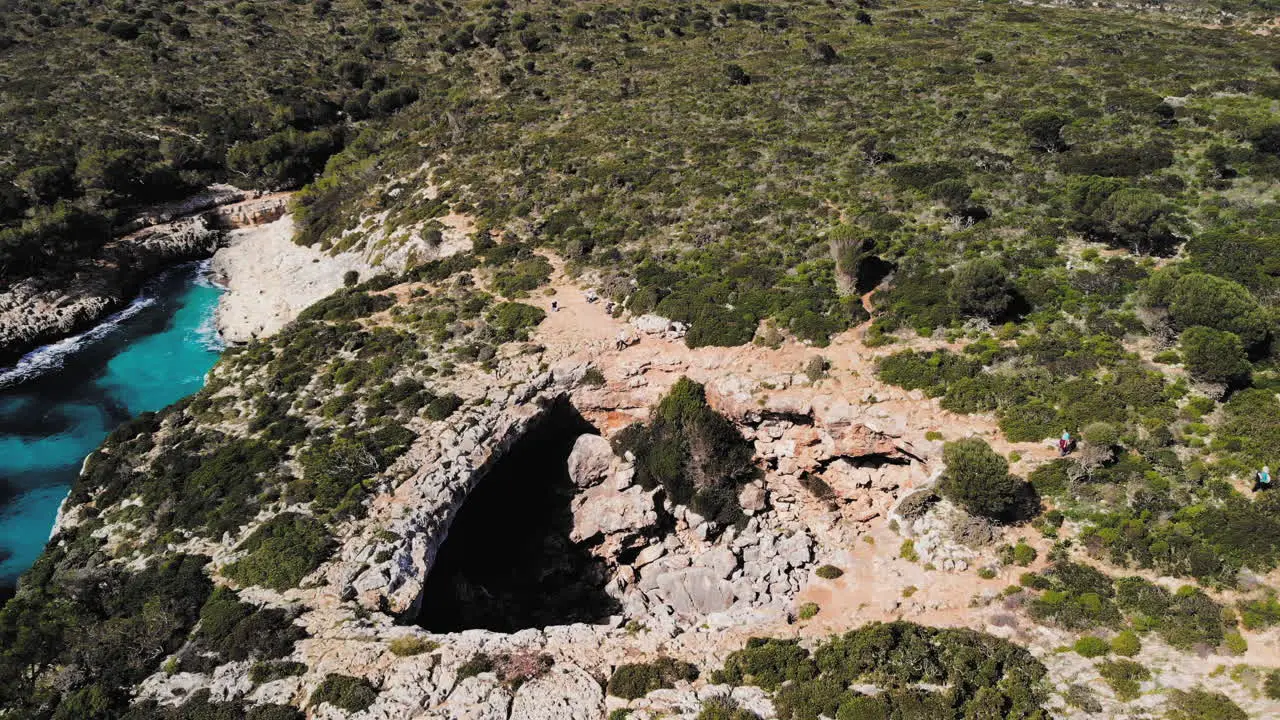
(604, 510)
(564, 693)
(590, 461)
(651, 324)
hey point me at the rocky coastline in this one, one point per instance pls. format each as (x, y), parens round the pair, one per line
(41, 309)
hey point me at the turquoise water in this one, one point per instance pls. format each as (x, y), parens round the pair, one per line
(60, 401)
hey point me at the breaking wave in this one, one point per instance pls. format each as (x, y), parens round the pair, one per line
(50, 357)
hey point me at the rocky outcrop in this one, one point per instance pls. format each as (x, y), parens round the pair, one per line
(694, 591)
(67, 300)
(659, 326)
(681, 585)
(619, 515)
(250, 213)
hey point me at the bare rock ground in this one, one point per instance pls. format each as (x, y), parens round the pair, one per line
(270, 279)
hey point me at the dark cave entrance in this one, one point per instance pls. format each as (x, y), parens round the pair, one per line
(508, 563)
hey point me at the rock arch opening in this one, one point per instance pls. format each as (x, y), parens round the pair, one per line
(508, 563)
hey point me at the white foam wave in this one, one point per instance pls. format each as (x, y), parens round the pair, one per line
(50, 357)
(207, 335)
(204, 274)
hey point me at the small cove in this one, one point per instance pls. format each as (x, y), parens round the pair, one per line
(60, 401)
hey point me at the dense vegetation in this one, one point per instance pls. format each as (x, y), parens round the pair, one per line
(978, 479)
(634, 680)
(816, 152)
(169, 97)
(983, 676)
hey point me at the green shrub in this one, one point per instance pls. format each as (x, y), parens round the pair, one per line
(1271, 685)
(274, 712)
(695, 454)
(635, 680)
(1021, 554)
(977, 478)
(1052, 478)
(522, 277)
(1082, 697)
(1044, 129)
(1235, 643)
(724, 709)
(1259, 613)
(345, 692)
(932, 372)
(346, 305)
(820, 697)
(265, 672)
(1123, 676)
(444, 406)
(236, 630)
(1091, 646)
(281, 552)
(767, 663)
(908, 551)
(1077, 596)
(1201, 704)
(512, 320)
(808, 611)
(1100, 434)
(287, 158)
(828, 572)
(1126, 644)
(981, 288)
(987, 674)
(334, 470)
(1198, 299)
(408, 646)
(476, 664)
(1214, 355)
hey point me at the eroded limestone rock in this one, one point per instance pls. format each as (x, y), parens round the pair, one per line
(591, 461)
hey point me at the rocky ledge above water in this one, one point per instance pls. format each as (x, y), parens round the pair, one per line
(44, 308)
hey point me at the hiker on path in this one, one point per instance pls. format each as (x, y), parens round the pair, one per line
(1262, 481)
(1065, 443)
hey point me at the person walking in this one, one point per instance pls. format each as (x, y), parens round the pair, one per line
(1262, 481)
(1064, 443)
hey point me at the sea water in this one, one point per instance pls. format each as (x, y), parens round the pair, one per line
(60, 401)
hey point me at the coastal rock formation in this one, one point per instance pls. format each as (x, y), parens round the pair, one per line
(70, 299)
